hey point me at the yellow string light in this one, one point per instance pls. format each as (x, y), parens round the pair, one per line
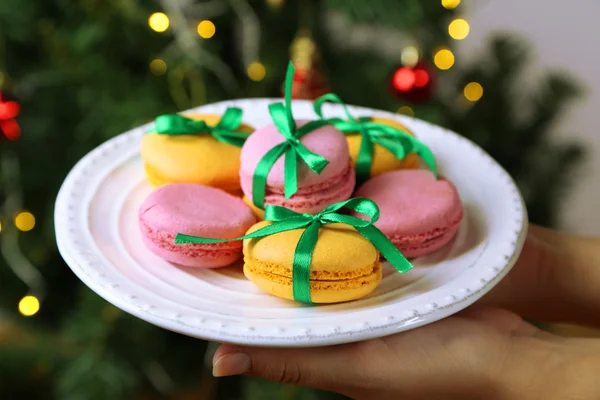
(410, 56)
(158, 67)
(206, 29)
(0, 226)
(109, 313)
(450, 4)
(24, 221)
(159, 22)
(406, 110)
(443, 59)
(256, 71)
(473, 91)
(29, 305)
(275, 3)
(458, 29)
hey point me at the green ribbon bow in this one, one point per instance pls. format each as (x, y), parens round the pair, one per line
(224, 131)
(287, 220)
(292, 148)
(398, 142)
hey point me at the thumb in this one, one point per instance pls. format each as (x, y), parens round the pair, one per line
(329, 368)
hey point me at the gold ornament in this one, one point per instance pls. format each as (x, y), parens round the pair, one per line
(303, 50)
(309, 82)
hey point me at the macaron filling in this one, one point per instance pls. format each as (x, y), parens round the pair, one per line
(166, 241)
(319, 279)
(421, 242)
(337, 188)
(332, 183)
(321, 275)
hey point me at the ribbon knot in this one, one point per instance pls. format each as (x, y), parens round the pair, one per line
(293, 141)
(317, 218)
(224, 131)
(292, 148)
(398, 142)
(286, 220)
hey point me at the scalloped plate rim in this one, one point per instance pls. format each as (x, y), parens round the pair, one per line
(77, 261)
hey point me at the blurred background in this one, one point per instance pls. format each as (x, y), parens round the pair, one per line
(518, 78)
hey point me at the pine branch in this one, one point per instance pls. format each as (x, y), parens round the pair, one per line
(508, 56)
(9, 241)
(551, 181)
(556, 91)
(514, 126)
(96, 375)
(189, 46)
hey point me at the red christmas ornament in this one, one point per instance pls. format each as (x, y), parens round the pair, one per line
(8, 124)
(308, 84)
(415, 84)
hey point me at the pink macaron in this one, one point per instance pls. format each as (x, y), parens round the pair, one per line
(419, 214)
(335, 183)
(194, 210)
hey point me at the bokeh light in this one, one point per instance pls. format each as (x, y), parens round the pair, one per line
(29, 305)
(24, 221)
(473, 91)
(458, 29)
(206, 29)
(275, 3)
(256, 71)
(11, 129)
(410, 56)
(158, 67)
(159, 22)
(443, 59)
(406, 110)
(404, 79)
(450, 4)
(421, 78)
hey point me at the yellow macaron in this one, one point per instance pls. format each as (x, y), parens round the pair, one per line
(200, 159)
(345, 266)
(258, 212)
(383, 159)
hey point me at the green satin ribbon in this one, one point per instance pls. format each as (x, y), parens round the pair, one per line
(292, 148)
(225, 131)
(287, 220)
(398, 142)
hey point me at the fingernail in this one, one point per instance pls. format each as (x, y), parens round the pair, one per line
(231, 364)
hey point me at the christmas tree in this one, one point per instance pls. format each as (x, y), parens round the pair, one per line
(74, 74)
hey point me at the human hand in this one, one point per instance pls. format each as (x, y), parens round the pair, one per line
(556, 279)
(479, 353)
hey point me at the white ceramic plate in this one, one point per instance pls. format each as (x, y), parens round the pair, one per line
(97, 234)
